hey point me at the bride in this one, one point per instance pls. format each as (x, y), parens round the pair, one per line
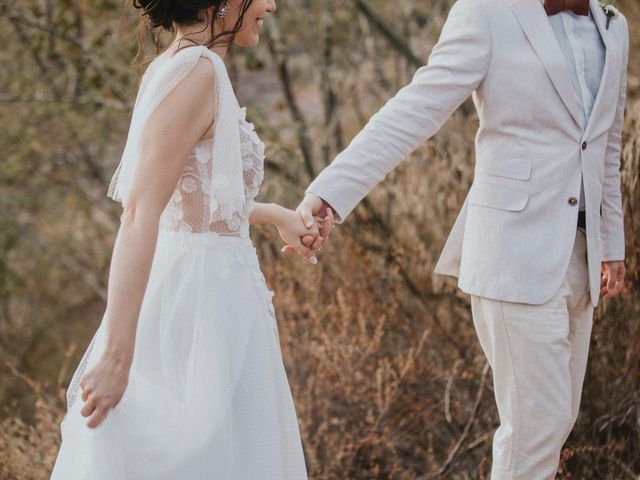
(184, 376)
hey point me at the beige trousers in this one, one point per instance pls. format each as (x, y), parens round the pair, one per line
(538, 354)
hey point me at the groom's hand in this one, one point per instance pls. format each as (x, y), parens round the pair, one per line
(612, 280)
(311, 208)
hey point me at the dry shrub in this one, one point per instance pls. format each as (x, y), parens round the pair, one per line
(606, 441)
(29, 448)
(386, 370)
(387, 375)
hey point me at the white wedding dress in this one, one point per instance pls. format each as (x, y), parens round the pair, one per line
(208, 396)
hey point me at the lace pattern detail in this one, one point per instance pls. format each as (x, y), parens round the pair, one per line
(157, 82)
(252, 151)
(188, 209)
(162, 76)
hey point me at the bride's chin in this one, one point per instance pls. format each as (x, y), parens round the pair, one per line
(249, 41)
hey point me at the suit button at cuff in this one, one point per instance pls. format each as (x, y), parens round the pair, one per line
(573, 201)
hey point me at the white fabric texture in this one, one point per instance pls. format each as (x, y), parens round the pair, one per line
(512, 239)
(226, 195)
(582, 47)
(538, 354)
(208, 395)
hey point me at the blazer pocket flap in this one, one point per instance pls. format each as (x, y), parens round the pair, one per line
(501, 197)
(510, 167)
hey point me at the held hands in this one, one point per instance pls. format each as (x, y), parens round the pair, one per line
(294, 231)
(612, 279)
(102, 388)
(312, 211)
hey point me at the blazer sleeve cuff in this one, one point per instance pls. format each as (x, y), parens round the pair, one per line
(613, 251)
(340, 194)
(340, 213)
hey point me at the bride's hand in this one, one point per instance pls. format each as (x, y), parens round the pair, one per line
(102, 388)
(292, 229)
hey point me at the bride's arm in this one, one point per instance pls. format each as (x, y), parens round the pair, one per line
(180, 120)
(267, 213)
(289, 225)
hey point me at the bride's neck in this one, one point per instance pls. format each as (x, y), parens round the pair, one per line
(199, 33)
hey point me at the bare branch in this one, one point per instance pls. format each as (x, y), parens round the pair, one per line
(470, 421)
(394, 40)
(275, 46)
(26, 19)
(87, 101)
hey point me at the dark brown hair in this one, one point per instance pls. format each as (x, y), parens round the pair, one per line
(168, 13)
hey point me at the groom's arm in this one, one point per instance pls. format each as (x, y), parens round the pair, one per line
(457, 65)
(612, 223)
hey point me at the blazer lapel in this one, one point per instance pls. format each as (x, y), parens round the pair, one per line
(601, 21)
(533, 20)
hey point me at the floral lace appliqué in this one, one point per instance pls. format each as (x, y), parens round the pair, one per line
(188, 209)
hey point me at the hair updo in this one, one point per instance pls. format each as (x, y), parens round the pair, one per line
(167, 14)
(164, 13)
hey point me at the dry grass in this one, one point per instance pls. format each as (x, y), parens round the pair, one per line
(388, 377)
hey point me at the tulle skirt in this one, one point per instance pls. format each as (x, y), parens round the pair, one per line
(208, 396)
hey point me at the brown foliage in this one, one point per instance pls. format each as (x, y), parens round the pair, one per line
(387, 375)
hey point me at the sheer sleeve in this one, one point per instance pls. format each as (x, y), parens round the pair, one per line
(154, 88)
(226, 190)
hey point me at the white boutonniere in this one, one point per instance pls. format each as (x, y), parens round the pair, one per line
(610, 11)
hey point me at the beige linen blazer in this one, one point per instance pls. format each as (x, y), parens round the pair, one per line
(513, 238)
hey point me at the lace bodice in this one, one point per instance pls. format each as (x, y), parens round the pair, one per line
(188, 208)
(222, 175)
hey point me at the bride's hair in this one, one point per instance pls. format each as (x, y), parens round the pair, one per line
(163, 13)
(167, 14)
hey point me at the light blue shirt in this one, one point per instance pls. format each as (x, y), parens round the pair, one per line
(582, 46)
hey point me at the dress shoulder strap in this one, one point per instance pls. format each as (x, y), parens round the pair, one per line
(227, 192)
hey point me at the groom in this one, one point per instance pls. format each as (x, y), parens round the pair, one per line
(540, 235)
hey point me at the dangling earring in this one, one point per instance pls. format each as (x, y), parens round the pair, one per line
(223, 10)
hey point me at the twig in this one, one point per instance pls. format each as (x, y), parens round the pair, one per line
(330, 100)
(481, 439)
(394, 40)
(274, 44)
(28, 20)
(467, 428)
(87, 101)
(447, 391)
(403, 373)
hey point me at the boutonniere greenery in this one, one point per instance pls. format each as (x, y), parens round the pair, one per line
(610, 10)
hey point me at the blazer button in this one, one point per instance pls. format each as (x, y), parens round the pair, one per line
(573, 201)
(584, 145)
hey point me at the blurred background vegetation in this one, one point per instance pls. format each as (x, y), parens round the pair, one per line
(387, 374)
